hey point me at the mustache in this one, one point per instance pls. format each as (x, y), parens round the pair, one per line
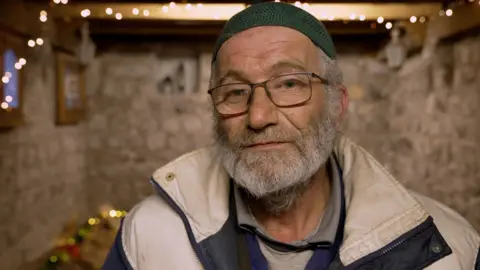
(250, 137)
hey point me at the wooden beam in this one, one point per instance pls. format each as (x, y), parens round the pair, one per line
(236, 1)
(222, 12)
(348, 44)
(207, 28)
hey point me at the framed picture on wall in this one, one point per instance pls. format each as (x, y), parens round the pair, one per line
(11, 84)
(70, 89)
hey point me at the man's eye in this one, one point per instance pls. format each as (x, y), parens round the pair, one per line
(238, 92)
(290, 83)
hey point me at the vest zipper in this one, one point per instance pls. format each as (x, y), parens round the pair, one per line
(397, 243)
(387, 249)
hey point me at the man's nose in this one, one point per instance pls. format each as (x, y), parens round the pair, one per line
(262, 112)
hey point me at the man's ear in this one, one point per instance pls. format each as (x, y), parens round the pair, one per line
(343, 104)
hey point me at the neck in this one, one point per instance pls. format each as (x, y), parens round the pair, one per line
(299, 217)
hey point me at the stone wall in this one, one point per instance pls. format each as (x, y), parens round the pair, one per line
(139, 120)
(42, 172)
(422, 122)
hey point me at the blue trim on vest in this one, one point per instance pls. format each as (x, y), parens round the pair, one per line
(196, 247)
(259, 262)
(116, 258)
(322, 256)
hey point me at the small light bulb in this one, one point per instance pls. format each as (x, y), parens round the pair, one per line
(118, 16)
(85, 13)
(188, 6)
(5, 79)
(22, 61)
(31, 43)
(18, 65)
(165, 9)
(199, 5)
(353, 16)
(91, 221)
(298, 4)
(4, 105)
(64, 1)
(43, 13)
(422, 19)
(56, 1)
(135, 11)
(109, 11)
(449, 12)
(172, 4)
(362, 17)
(8, 98)
(413, 19)
(39, 41)
(146, 12)
(380, 20)
(8, 74)
(388, 25)
(43, 18)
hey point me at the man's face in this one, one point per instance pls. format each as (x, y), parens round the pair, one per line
(268, 149)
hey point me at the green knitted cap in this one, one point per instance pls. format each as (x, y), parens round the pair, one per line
(277, 14)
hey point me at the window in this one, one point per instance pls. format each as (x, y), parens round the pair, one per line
(11, 84)
(10, 79)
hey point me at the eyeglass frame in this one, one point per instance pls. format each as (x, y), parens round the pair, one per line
(263, 84)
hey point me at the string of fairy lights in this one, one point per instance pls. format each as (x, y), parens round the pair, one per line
(109, 11)
(191, 7)
(69, 248)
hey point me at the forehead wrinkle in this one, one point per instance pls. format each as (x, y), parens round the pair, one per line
(250, 59)
(267, 63)
(270, 62)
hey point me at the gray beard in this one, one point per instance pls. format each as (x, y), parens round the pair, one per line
(276, 179)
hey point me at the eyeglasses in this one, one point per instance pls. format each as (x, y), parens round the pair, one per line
(286, 90)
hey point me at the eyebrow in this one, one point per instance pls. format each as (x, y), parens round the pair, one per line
(274, 69)
(232, 74)
(289, 65)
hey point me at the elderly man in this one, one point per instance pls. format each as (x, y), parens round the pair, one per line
(281, 188)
